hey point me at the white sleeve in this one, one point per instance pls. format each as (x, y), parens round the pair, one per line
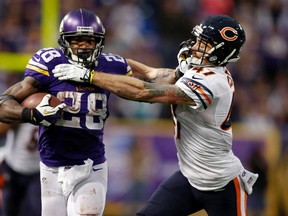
(197, 87)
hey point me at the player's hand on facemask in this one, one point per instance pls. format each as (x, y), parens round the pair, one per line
(73, 72)
(184, 58)
(43, 114)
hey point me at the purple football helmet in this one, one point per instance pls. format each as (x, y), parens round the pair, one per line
(81, 22)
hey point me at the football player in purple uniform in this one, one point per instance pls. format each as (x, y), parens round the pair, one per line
(210, 176)
(73, 166)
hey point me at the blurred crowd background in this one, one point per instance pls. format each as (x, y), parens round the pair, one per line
(150, 31)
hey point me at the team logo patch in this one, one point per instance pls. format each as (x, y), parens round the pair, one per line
(229, 33)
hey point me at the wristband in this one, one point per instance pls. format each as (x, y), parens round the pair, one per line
(26, 114)
(91, 76)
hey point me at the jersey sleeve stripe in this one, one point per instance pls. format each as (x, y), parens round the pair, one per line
(201, 91)
(204, 95)
(198, 95)
(129, 73)
(44, 72)
(203, 87)
(37, 64)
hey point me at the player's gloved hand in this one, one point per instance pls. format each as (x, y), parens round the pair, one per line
(184, 56)
(43, 114)
(73, 72)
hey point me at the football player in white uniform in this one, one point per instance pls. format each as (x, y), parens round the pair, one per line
(211, 177)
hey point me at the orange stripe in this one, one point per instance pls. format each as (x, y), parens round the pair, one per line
(205, 95)
(246, 198)
(238, 196)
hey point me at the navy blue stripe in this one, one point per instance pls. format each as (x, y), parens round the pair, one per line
(200, 84)
(186, 80)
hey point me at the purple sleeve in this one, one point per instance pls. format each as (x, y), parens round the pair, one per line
(112, 63)
(42, 63)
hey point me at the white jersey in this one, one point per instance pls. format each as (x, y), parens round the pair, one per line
(20, 150)
(203, 134)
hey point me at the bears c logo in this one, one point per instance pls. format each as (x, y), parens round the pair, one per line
(224, 32)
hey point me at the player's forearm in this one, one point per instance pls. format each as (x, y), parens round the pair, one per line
(10, 108)
(11, 112)
(140, 70)
(127, 87)
(138, 90)
(165, 75)
(144, 72)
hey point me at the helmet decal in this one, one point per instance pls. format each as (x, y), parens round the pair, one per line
(226, 34)
(85, 29)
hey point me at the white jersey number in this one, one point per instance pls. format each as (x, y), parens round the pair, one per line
(94, 118)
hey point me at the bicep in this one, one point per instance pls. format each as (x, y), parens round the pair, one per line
(11, 110)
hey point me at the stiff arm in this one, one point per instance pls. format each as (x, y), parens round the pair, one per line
(134, 89)
(130, 88)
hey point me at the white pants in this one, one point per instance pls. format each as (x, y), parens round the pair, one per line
(88, 197)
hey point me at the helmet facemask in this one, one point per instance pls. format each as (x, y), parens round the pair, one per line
(203, 43)
(86, 57)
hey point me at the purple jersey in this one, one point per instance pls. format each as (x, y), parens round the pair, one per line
(79, 134)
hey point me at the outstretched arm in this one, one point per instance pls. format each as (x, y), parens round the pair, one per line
(127, 87)
(164, 75)
(145, 72)
(138, 90)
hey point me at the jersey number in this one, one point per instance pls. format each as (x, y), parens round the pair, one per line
(94, 105)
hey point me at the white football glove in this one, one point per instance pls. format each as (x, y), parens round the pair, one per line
(73, 72)
(184, 56)
(43, 114)
(248, 179)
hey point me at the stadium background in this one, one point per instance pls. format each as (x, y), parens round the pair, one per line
(139, 137)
